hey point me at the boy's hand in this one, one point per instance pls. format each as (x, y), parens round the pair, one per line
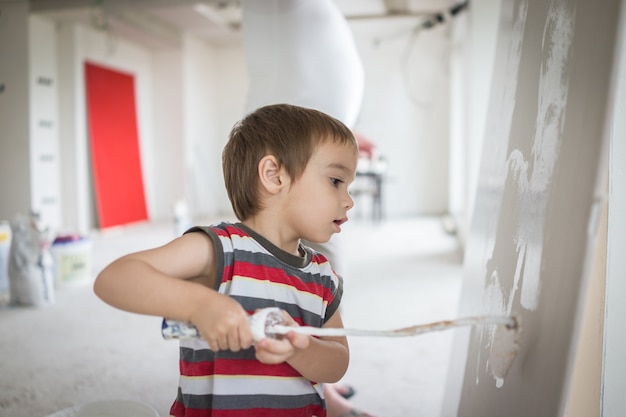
(223, 323)
(274, 351)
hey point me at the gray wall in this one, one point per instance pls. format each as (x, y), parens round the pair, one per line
(529, 247)
(15, 174)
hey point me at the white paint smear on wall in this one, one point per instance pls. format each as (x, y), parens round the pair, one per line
(506, 106)
(531, 175)
(533, 185)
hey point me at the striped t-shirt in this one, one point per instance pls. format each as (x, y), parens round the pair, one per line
(257, 274)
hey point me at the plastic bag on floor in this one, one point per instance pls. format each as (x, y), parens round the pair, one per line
(30, 263)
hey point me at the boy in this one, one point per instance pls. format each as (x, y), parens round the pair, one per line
(287, 170)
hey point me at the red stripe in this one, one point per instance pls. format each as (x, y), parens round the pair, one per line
(227, 272)
(277, 276)
(319, 258)
(177, 409)
(196, 368)
(254, 367)
(236, 367)
(225, 233)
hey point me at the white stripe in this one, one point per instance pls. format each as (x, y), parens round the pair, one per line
(194, 343)
(196, 385)
(246, 385)
(250, 287)
(246, 243)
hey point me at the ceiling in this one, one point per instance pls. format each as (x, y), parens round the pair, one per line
(160, 24)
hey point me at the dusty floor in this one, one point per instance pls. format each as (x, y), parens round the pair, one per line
(398, 273)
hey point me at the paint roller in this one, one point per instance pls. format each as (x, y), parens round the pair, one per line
(267, 322)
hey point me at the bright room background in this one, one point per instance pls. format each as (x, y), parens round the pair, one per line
(425, 103)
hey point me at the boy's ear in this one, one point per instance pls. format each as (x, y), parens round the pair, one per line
(270, 173)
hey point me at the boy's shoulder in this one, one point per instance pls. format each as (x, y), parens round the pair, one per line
(223, 227)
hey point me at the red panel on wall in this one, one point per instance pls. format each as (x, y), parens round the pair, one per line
(115, 154)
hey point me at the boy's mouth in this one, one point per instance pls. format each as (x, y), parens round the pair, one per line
(339, 222)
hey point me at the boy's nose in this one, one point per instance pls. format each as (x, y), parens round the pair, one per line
(349, 201)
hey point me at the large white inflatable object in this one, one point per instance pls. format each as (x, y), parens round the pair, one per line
(302, 52)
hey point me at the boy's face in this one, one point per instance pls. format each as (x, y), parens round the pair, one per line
(319, 200)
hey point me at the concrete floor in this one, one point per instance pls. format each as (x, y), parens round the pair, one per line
(397, 273)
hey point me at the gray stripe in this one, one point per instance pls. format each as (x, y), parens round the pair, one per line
(191, 355)
(307, 317)
(288, 258)
(206, 355)
(242, 402)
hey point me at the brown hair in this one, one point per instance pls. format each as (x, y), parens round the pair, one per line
(290, 133)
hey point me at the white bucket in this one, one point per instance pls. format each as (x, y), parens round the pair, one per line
(72, 261)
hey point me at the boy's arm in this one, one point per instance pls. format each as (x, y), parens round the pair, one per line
(176, 281)
(323, 359)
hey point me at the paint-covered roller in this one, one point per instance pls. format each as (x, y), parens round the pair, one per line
(263, 322)
(505, 347)
(267, 323)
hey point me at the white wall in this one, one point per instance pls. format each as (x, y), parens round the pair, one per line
(484, 17)
(43, 111)
(405, 110)
(166, 156)
(614, 358)
(472, 54)
(199, 116)
(231, 86)
(214, 90)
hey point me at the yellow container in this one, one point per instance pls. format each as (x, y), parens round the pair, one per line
(5, 251)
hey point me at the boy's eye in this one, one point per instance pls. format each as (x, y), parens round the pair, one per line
(335, 181)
